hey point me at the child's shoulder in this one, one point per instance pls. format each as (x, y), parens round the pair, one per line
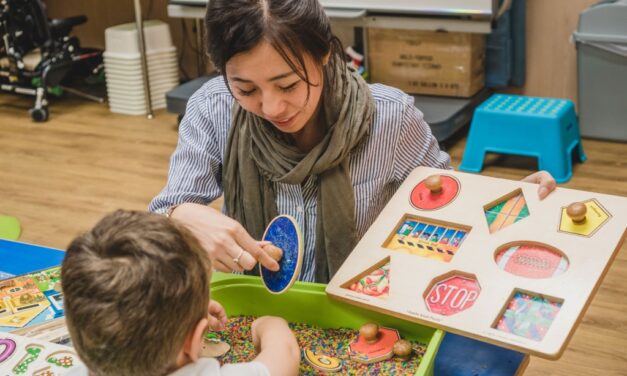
(211, 367)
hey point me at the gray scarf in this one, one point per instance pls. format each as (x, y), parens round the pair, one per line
(258, 155)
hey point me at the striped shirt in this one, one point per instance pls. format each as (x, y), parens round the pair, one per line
(399, 141)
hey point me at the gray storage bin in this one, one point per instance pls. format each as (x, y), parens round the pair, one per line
(601, 39)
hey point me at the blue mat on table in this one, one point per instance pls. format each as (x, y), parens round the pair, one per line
(20, 258)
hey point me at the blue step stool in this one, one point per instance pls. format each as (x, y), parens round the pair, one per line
(544, 128)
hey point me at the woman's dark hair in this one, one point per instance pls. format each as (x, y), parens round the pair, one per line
(293, 27)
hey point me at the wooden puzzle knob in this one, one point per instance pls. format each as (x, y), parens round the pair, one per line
(577, 212)
(434, 183)
(370, 332)
(402, 349)
(273, 251)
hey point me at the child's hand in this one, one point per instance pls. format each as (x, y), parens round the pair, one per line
(276, 346)
(545, 180)
(265, 325)
(217, 316)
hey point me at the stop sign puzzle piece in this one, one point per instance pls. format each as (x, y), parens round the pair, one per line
(452, 295)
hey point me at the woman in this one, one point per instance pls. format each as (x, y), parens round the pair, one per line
(289, 129)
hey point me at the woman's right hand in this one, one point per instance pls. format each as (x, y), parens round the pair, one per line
(224, 239)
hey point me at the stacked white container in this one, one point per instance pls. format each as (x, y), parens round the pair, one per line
(122, 62)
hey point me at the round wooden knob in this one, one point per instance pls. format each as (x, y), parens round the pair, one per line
(370, 332)
(273, 251)
(402, 349)
(577, 212)
(434, 183)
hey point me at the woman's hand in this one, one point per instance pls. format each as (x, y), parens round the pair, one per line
(545, 180)
(228, 244)
(217, 316)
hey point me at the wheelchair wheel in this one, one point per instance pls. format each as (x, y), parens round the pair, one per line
(39, 115)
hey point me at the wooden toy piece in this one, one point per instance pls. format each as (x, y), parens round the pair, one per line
(275, 252)
(434, 183)
(402, 349)
(321, 362)
(529, 258)
(63, 359)
(434, 192)
(21, 355)
(363, 351)
(584, 218)
(577, 212)
(284, 233)
(213, 347)
(32, 353)
(370, 332)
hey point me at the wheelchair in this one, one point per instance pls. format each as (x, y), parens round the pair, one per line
(37, 53)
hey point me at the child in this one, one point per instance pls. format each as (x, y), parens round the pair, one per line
(137, 303)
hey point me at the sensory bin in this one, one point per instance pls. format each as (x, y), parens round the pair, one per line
(312, 315)
(331, 342)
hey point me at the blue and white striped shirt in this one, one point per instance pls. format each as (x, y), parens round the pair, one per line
(399, 141)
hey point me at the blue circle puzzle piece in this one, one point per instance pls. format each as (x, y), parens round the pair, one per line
(284, 233)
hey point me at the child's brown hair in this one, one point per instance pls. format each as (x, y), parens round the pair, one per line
(134, 286)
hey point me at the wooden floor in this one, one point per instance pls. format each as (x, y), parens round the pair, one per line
(60, 177)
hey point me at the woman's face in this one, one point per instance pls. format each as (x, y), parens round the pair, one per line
(264, 84)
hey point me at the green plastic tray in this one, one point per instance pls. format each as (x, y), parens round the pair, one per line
(307, 303)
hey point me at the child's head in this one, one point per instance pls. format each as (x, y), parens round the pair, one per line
(136, 294)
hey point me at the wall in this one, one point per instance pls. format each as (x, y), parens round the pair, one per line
(551, 56)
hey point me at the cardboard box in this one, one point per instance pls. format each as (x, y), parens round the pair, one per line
(427, 62)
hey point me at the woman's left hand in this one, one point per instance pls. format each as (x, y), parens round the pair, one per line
(545, 180)
(217, 316)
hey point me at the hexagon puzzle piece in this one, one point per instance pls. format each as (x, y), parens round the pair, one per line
(383, 349)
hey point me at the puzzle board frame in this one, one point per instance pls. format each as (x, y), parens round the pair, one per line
(412, 276)
(20, 355)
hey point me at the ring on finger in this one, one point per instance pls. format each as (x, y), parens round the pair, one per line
(236, 260)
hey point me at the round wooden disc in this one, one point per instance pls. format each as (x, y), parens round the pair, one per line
(322, 362)
(214, 349)
(283, 232)
(422, 198)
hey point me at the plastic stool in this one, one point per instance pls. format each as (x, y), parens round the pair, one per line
(543, 128)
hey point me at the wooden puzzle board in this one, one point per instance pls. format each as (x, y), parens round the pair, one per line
(30, 299)
(21, 355)
(459, 286)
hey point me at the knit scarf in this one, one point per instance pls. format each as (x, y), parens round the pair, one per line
(258, 155)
